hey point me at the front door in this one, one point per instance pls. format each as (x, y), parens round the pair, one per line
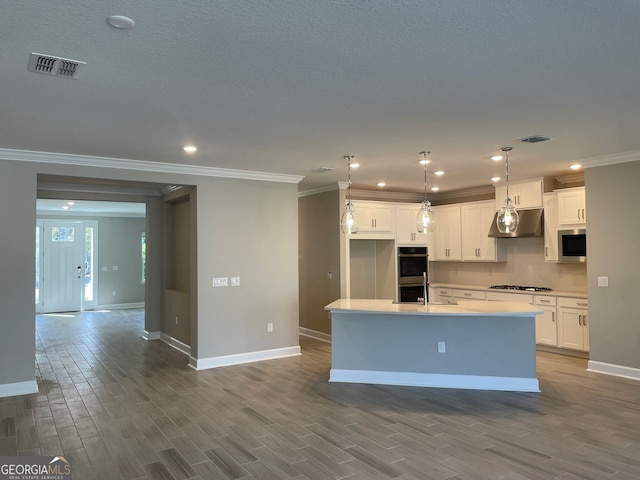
(62, 266)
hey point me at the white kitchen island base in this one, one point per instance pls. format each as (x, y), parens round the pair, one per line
(487, 345)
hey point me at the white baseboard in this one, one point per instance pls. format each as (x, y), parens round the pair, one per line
(120, 306)
(175, 343)
(307, 332)
(471, 382)
(18, 388)
(226, 360)
(612, 369)
(151, 335)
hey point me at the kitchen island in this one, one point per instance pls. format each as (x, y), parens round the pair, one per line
(473, 345)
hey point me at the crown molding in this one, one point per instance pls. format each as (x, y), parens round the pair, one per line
(142, 165)
(612, 159)
(570, 178)
(387, 196)
(324, 188)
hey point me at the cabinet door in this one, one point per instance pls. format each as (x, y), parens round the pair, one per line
(523, 195)
(469, 236)
(529, 194)
(571, 333)
(447, 234)
(546, 330)
(406, 230)
(382, 218)
(551, 227)
(365, 216)
(571, 207)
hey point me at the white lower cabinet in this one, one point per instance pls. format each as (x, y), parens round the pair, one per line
(573, 326)
(442, 295)
(463, 294)
(546, 325)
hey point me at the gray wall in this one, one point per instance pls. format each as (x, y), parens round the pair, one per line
(17, 274)
(244, 228)
(613, 229)
(319, 253)
(119, 244)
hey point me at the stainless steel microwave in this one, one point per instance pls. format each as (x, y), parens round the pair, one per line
(572, 245)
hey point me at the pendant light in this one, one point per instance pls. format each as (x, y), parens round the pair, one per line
(425, 219)
(507, 219)
(349, 218)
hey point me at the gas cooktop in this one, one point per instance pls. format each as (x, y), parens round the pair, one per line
(521, 287)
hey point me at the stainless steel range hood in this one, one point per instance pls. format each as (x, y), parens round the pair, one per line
(530, 225)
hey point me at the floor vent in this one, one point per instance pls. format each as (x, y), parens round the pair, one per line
(56, 66)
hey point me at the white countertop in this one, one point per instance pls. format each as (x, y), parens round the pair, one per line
(463, 308)
(552, 293)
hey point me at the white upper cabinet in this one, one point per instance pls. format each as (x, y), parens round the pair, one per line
(550, 227)
(375, 219)
(447, 234)
(571, 206)
(476, 244)
(523, 194)
(406, 229)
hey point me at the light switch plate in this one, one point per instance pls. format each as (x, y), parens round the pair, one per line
(220, 281)
(603, 281)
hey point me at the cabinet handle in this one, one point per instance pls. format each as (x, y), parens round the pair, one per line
(553, 316)
(578, 214)
(584, 320)
(579, 319)
(581, 304)
(544, 301)
(546, 251)
(467, 294)
(583, 213)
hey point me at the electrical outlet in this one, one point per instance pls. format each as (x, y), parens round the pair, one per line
(176, 319)
(603, 281)
(329, 275)
(441, 347)
(269, 327)
(235, 281)
(113, 293)
(115, 268)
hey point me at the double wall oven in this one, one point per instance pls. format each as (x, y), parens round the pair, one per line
(412, 274)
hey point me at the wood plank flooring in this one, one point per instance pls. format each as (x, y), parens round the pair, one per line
(124, 408)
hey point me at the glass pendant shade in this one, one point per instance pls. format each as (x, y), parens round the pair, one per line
(425, 219)
(349, 219)
(507, 220)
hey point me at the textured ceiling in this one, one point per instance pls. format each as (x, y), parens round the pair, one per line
(290, 86)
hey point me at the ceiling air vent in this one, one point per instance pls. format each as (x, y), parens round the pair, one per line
(56, 66)
(322, 169)
(535, 139)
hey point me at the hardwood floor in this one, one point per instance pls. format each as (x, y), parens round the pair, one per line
(121, 407)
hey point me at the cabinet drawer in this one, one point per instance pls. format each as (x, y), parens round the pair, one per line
(544, 300)
(510, 297)
(573, 302)
(443, 292)
(469, 294)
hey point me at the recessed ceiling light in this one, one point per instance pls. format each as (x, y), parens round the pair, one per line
(118, 21)
(496, 158)
(189, 148)
(71, 203)
(495, 179)
(65, 207)
(381, 184)
(575, 166)
(435, 189)
(439, 172)
(355, 165)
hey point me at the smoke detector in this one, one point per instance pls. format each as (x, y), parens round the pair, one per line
(535, 139)
(52, 65)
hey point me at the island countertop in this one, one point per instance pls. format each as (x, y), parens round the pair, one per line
(462, 308)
